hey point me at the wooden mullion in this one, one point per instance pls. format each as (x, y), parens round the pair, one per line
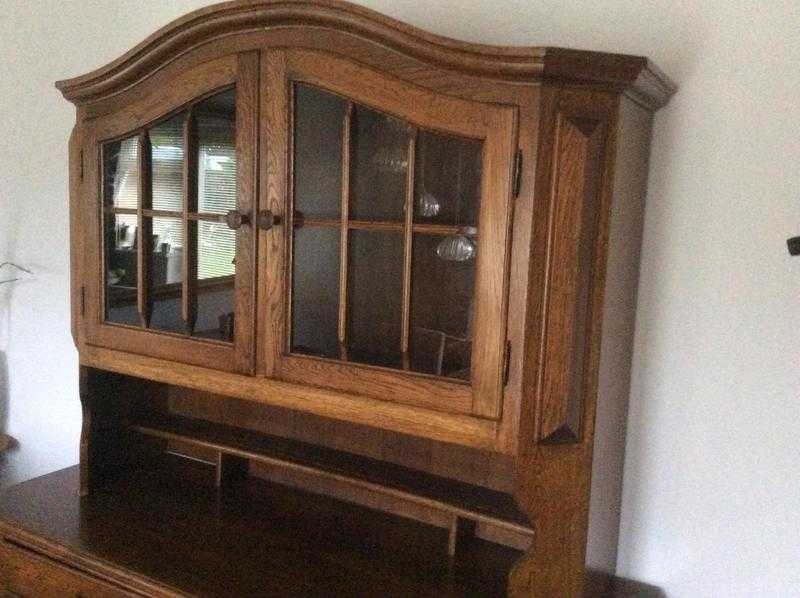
(408, 233)
(189, 279)
(121, 211)
(387, 226)
(445, 229)
(162, 214)
(207, 217)
(145, 229)
(345, 229)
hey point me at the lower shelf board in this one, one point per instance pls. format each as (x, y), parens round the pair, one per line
(170, 526)
(464, 505)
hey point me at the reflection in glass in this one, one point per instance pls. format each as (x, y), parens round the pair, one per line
(448, 179)
(121, 173)
(428, 206)
(121, 269)
(166, 140)
(315, 292)
(441, 310)
(374, 298)
(215, 281)
(216, 250)
(166, 275)
(378, 166)
(318, 123)
(216, 134)
(456, 248)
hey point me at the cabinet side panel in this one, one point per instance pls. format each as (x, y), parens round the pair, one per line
(575, 175)
(619, 315)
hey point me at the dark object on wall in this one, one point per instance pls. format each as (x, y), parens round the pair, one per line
(794, 245)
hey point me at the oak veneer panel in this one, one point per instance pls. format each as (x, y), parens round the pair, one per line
(480, 468)
(576, 183)
(446, 427)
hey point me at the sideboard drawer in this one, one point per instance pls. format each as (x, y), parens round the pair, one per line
(30, 575)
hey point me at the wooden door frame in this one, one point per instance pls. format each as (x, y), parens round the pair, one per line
(496, 124)
(152, 103)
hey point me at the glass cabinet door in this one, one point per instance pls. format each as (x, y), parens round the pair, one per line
(188, 280)
(175, 235)
(394, 283)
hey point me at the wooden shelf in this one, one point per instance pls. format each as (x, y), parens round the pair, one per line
(167, 528)
(459, 501)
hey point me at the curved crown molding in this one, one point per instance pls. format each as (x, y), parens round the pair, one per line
(634, 74)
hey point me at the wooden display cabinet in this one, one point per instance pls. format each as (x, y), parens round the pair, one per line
(316, 246)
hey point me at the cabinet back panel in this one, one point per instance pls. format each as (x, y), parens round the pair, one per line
(490, 470)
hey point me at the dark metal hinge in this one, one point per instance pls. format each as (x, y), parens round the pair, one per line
(83, 301)
(518, 173)
(507, 363)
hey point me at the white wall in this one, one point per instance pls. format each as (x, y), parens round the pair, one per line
(712, 500)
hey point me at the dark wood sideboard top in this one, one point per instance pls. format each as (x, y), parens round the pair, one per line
(170, 528)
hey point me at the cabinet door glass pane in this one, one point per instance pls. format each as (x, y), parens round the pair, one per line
(378, 170)
(121, 269)
(442, 299)
(168, 151)
(448, 179)
(166, 275)
(315, 292)
(121, 173)
(319, 120)
(374, 298)
(190, 266)
(410, 278)
(216, 134)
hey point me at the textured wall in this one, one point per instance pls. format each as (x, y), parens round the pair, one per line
(711, 503)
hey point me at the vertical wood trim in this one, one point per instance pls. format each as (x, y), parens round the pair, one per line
(247, 150)
(230, 469)
(77, 238)
(554, 480)
(84, 390)
(144, 245)
(575, 186)
(274, 246)
(92, 227)
(492, 268)
(345, 229)
(190, 168)
(405, 333)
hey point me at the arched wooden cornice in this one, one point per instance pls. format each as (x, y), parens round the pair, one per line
(632, 73)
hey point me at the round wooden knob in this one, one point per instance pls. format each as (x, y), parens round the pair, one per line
(235, 219)
(266, 219)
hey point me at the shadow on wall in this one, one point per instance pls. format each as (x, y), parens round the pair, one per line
(628, 588)
(6, 442)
